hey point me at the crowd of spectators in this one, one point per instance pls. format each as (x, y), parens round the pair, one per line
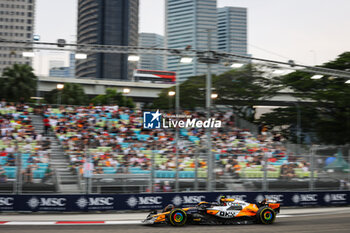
(114, 139)
(18, 137)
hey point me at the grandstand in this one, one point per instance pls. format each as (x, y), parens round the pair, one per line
(115, 142)
(109, 145)
(25, 154)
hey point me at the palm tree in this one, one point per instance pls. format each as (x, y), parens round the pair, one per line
(18, 83)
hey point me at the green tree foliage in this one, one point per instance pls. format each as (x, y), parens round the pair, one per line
(18, 83)
(71, 94)
(325, 106)
(241, 89)
(192, 95)
(113, 97)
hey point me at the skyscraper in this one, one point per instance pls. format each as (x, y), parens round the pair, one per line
(16, 23)
(151, 61)
(107, 22)
(57, 68)
(186, 24)
(232, 31)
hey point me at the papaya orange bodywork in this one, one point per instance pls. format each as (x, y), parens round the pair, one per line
(250, 210)
(213, 212)
(160, 218)
(274, 205)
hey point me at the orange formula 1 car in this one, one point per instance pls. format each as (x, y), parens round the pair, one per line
(227, 211)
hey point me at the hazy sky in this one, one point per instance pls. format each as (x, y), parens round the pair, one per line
(308, 31)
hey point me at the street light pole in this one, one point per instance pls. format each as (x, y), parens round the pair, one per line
(348, 169)
(170, 96)
(298, 127)
(312, 168)
(177, 109)
(59, 88)
(208, 130)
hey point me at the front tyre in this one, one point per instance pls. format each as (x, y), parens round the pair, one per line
(266, 215)
(177, 217)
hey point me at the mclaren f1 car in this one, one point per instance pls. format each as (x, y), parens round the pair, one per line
(226, 211)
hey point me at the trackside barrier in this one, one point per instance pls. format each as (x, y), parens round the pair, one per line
(81, 203)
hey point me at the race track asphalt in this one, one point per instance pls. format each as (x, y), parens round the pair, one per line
(332, 222)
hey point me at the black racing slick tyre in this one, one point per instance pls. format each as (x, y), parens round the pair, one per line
(177, 217)
(266, 215)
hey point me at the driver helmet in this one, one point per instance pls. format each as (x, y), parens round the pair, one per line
(169, 208)
(222, 198)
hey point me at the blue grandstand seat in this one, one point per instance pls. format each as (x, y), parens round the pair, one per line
(165, 174)
(193, 138)
(124, 117)
(183, 132)
(141, 172)
(11, 174)
(186, 174)
(39, 174)
(109, 170)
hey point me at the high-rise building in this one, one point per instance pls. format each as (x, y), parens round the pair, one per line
(107, 22)
(16, 23)
(57, 68)
(56, 63)
(186, 24)
(151, 61)
(62, 72)
(232, 32)
(72, 62)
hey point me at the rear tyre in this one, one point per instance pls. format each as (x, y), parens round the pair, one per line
(266, 215)
(177, 217)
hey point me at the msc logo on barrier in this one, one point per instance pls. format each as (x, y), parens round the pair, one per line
(150, 200)
(276, 197)
(6, 201)
(94, 201)
(304, 198)
(242, 197)
(177, 200)
(46, 202)
(335, 197)
(151, 120)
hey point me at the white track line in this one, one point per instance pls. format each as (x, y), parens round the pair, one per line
(28, 223)
(123, 222)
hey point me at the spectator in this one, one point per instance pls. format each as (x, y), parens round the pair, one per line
(11, 160)
(46, 125)
(99, 170)
(3, 153)
(166, 187)
(31, 159)
(3, 177)
(48, 174)
(283, 171)
(28, 173)
(156, 187)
